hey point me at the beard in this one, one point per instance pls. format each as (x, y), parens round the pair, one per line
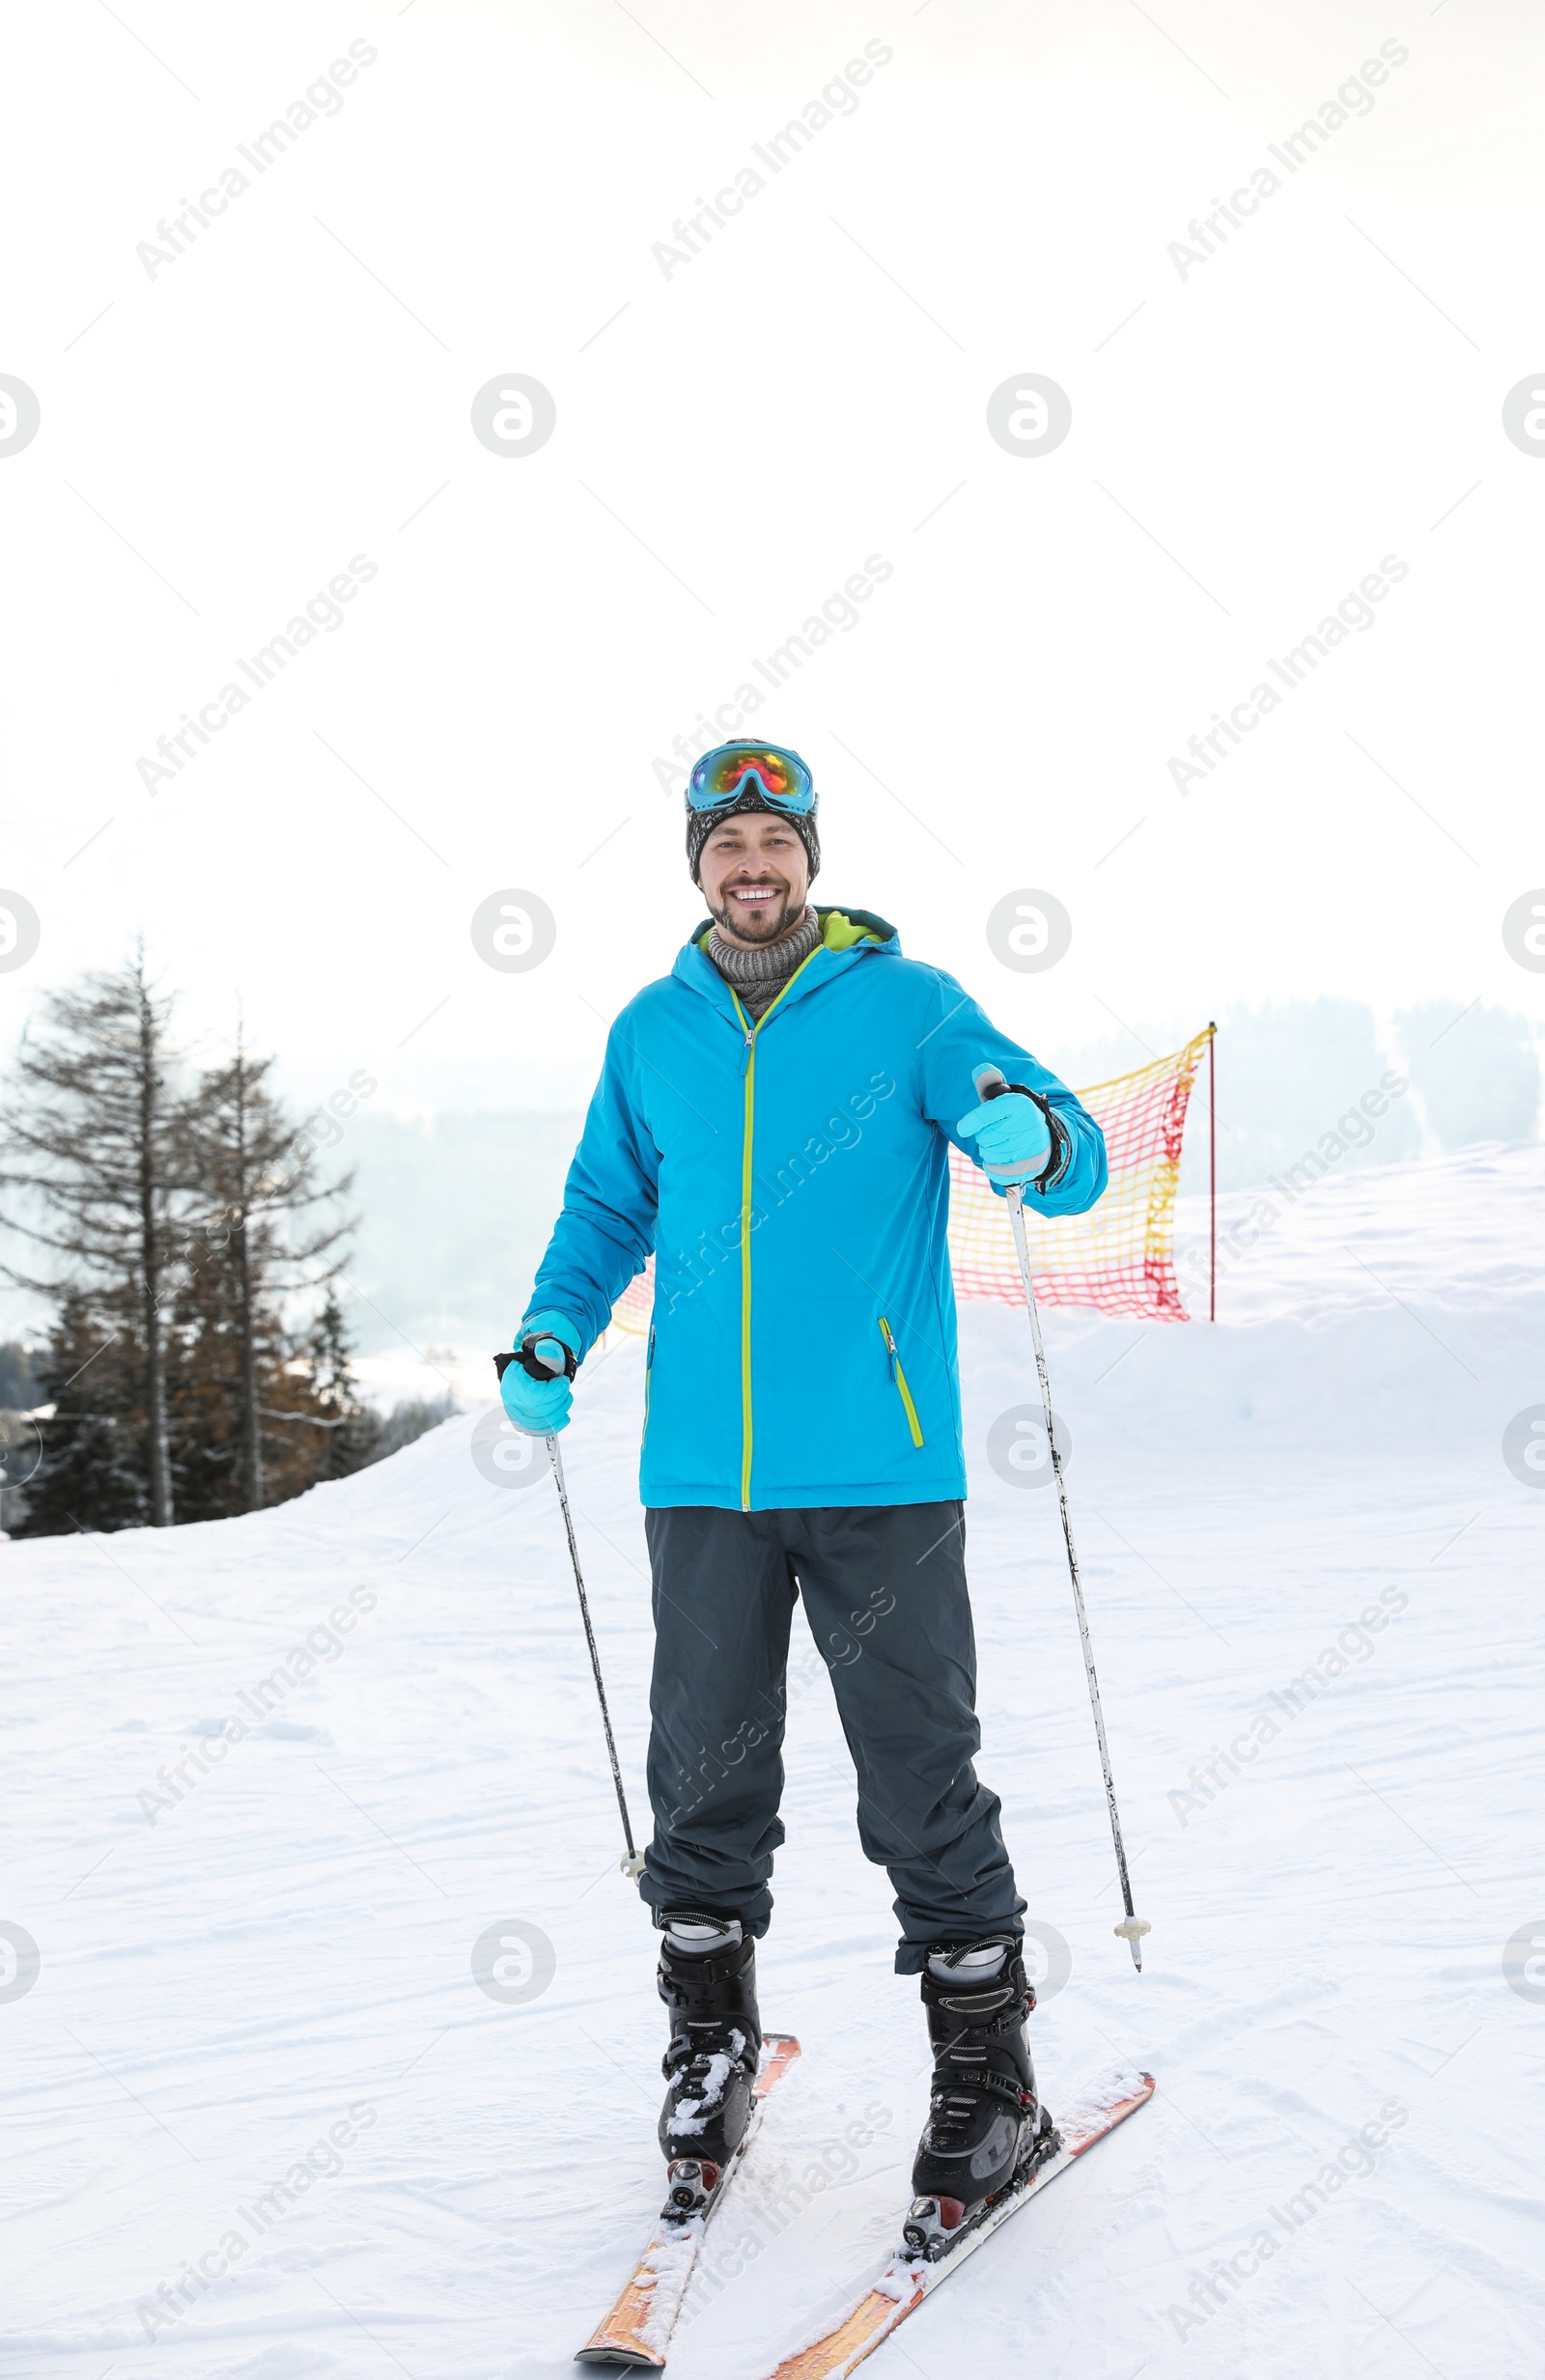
(768, 923)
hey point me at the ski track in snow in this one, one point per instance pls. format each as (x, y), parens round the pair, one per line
(293, 1937)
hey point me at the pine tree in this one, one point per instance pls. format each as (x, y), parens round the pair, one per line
(215, 1349)
(269, 1229)
(94, 1164)
(92, 1472)
(354, 1431)
(203, 1395)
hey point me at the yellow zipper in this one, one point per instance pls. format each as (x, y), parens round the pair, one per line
(900, 1378)
(746, 1260)
(751, 1032)
(649, 1374)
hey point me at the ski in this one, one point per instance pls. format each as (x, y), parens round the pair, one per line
(637, 2333)
(932, 2246)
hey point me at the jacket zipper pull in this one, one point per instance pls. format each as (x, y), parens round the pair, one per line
(750, 1045)
(890, 1346)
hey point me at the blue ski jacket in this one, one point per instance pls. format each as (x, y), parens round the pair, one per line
(792, 1179)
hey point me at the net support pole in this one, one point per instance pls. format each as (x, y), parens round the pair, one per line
(1133, 1927)
(1211, 1166)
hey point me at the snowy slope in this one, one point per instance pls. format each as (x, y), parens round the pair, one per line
(287, 1951)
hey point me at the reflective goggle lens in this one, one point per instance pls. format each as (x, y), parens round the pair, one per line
(782, 777)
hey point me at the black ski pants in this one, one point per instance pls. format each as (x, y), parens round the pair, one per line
(885, 1597)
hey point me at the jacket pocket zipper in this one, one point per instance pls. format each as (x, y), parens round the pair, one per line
(649, 1373)
(900, 1378)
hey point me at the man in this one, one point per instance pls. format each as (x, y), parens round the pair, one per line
(773, 1121)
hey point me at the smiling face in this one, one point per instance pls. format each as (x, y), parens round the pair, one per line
(755, 876)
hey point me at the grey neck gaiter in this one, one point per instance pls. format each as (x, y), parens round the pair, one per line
(759, 975)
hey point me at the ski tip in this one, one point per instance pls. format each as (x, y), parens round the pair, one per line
(618, 2342)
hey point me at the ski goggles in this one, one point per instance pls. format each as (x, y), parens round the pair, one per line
(724, 776)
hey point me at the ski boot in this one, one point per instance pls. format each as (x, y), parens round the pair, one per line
(986, 2127)
(708, 1981)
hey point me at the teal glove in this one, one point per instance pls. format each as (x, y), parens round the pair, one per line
(1011, 1136)
(541, 1406)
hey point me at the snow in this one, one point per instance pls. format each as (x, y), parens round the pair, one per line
(280, 1967)
(666, 2269)
(692, 2115)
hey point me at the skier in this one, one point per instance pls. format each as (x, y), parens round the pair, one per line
(772, 1121)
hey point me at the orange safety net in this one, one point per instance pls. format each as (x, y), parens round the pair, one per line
(1120, 1257)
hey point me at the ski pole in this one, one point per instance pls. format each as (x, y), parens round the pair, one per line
(991, 1084)
(633, 1860)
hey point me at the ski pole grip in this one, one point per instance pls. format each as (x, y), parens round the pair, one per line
(992, 1083)
(527, 1357)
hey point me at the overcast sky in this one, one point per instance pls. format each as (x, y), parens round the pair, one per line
(236, 415)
